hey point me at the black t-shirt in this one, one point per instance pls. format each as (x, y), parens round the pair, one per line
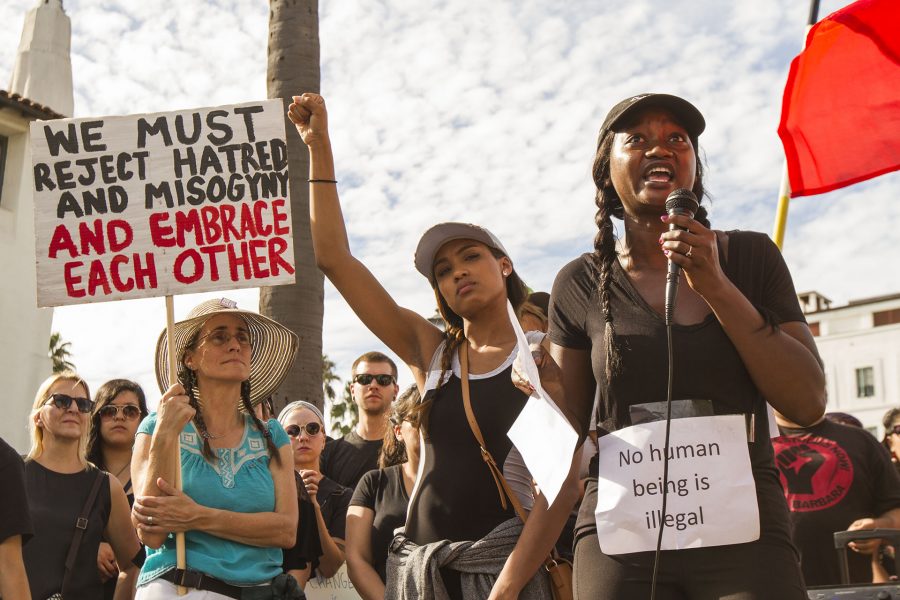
(707, 365)
(14, 516)
(308, 547)
(833, 475)
(347, 459)
(384, 492)
(456, 498)
(333, 502)
(56, 500)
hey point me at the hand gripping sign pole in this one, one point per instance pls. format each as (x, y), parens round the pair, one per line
(180, 558)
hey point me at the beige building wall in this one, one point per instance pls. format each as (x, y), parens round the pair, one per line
(26, 329)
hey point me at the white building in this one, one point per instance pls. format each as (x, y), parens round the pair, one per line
(860, 345)
(40, 89)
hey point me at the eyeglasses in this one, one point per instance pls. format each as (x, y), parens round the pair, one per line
(111, 411)
(220, 337)
(895, 429)
(366, 379)
(64, 401)
(311, 429)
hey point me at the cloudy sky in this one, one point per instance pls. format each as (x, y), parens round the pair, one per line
(444, 112)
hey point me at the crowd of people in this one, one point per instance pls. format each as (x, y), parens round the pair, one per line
(426, 496)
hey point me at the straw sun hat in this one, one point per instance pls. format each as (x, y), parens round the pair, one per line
(274, 346)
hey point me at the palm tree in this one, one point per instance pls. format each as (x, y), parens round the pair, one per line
(59, 353)
(294, 68)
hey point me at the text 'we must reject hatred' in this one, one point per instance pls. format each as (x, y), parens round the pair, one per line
(149, 205)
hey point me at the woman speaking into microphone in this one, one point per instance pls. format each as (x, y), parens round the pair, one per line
(739, 337)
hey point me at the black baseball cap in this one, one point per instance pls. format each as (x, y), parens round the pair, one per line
(686, 113)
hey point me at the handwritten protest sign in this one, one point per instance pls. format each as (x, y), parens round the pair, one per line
(161, 204)
(709, 482)
(337, 587)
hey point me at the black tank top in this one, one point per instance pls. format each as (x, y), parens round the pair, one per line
(55, 500)
(456, 498)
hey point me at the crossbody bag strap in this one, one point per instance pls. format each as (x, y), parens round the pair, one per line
(499, 479)
(502, 486)
(80, 527)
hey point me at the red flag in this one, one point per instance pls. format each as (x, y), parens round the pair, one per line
(840, 117)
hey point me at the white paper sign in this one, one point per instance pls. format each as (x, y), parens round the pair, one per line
(158, 204)
(338, 587)
(711, 498)
(541, 433)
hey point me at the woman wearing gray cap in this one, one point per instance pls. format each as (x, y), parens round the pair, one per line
(739, 338)
(457, 498)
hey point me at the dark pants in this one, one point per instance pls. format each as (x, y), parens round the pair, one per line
(752, 571)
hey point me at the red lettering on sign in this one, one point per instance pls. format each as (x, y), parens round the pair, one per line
(277, 247)
(118, 225)
(72, 279)
(248, 227)
(148, 272)
(236, 260)
(187, 222)
(279, 217)
(92, 237)
(228, 215)
(258, 260)
(258, 207)
(97, 279)
(160, 234)
(62, 240)
(197, 262)
(121, 285)
(211, 252)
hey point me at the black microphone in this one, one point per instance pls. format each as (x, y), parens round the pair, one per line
(680, 202)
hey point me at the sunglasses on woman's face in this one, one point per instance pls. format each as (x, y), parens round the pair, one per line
(64, 401)
(111, 411)
(895, 429)
(366, 379)
(311, 429)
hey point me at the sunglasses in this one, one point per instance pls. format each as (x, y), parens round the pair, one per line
(111, 411)
(895, 429)
(220, 338)
(64, 401)
(366, 379)
(311, 429)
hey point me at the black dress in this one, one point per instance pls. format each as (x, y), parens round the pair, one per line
(55, 500)
(384, 492)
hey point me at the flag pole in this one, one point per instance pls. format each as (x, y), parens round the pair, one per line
(784, 191)
(180, 559)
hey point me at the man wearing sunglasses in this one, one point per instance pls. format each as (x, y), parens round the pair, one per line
(373, 384)
(835, 477)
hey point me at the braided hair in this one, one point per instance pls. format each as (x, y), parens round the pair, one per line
(188, 379)
(260, 426)
(454, 332)
(610, 205)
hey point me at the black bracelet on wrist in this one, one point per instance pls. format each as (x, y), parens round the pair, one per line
(321, 180)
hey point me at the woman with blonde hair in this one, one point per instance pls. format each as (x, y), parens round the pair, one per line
(66, 491)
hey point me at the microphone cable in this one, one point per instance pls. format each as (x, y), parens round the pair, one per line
(662, 517)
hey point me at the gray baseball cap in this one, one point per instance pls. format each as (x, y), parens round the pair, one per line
(440, 234)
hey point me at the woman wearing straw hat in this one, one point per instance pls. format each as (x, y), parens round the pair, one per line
(238, 506)
(457, 497)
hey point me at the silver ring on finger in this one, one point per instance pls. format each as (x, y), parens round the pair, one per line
(690, 251)
(149, 520)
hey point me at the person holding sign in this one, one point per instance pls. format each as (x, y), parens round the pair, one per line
(65, 490)
(238, 505)
(457, 498)
(740, 339)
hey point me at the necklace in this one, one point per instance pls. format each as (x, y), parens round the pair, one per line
(209, 436)
(122, 470)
